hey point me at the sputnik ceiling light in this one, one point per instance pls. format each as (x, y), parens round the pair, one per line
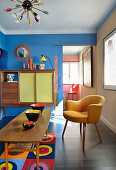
(27, 7)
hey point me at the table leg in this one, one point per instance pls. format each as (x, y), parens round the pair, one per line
(47, 132)
(6, 155)
(37, 155)
(5, 111)
(1, 113)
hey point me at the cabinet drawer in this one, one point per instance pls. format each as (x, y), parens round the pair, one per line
(9, 90)
(9, 96)
(9, 85)
(9, 101)
(9, 93)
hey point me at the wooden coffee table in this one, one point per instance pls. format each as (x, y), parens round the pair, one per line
(14, 132)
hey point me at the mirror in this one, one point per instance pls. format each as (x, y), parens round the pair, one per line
(22, 52)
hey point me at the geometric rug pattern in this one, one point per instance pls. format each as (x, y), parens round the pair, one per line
(27, 160)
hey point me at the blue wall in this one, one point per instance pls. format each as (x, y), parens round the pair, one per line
(48, 44)
(2, 40)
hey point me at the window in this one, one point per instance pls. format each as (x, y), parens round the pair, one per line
(110, 61)
(70, 72)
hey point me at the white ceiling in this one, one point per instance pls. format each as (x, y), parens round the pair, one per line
(66, 16)
(72, 50)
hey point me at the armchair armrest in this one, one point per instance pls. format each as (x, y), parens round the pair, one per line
(73, 105)
(94, 112)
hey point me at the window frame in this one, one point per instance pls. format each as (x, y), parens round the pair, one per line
(107, 87)
(69, 71)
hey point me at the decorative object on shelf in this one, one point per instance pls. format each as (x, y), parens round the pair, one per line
(41, 66)
(28, 125)
(10, 77)
(27, 7)
(22, 52)
(23, 66)
(30, 65)
(38, 107)
(32, 115)
(43, 59)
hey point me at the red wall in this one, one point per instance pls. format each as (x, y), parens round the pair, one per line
(70, 58)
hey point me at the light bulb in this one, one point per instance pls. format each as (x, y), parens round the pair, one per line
(38, 17)
(8, 10)
(37, 20)
(14, 15)
(17, 21)
(29, 21)
(17, 5)
(35, 1)
(45, 12)
(35, 14)
(16, 1)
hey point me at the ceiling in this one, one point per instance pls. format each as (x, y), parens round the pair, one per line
(72, 50)
(66, 16)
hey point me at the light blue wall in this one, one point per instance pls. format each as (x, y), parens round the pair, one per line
(48, 44)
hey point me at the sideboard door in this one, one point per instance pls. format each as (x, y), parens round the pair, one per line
(27, 87)
(44, 87)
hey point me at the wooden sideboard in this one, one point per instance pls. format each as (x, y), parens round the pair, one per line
(29, 86)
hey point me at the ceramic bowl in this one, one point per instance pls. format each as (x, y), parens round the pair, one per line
(41, 66)
(28, 125)
(32, 115)
(38, 107)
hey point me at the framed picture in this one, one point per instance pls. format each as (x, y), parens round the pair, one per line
(88, 67)
(109, 44)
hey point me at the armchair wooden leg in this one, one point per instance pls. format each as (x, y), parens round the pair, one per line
(64, 128)
(80, 127)
(98, 132)
(84, 130)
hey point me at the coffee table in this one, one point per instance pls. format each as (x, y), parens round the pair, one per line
(14, 132)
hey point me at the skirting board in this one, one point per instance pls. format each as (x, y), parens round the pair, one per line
(108, 124)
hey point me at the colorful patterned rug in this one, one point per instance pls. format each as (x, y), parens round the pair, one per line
(27, 160)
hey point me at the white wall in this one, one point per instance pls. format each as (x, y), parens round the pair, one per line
(109, 110)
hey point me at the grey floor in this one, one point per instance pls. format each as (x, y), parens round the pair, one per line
(97, 156)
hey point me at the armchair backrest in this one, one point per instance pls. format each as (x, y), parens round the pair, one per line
(91, 104)
(91, 99)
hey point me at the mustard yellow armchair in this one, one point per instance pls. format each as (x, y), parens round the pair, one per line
(86, 110)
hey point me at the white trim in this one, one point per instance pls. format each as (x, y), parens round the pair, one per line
(2, 30)
(32, 31)
(112, 127)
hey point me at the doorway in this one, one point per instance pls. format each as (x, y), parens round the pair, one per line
(72, 71)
